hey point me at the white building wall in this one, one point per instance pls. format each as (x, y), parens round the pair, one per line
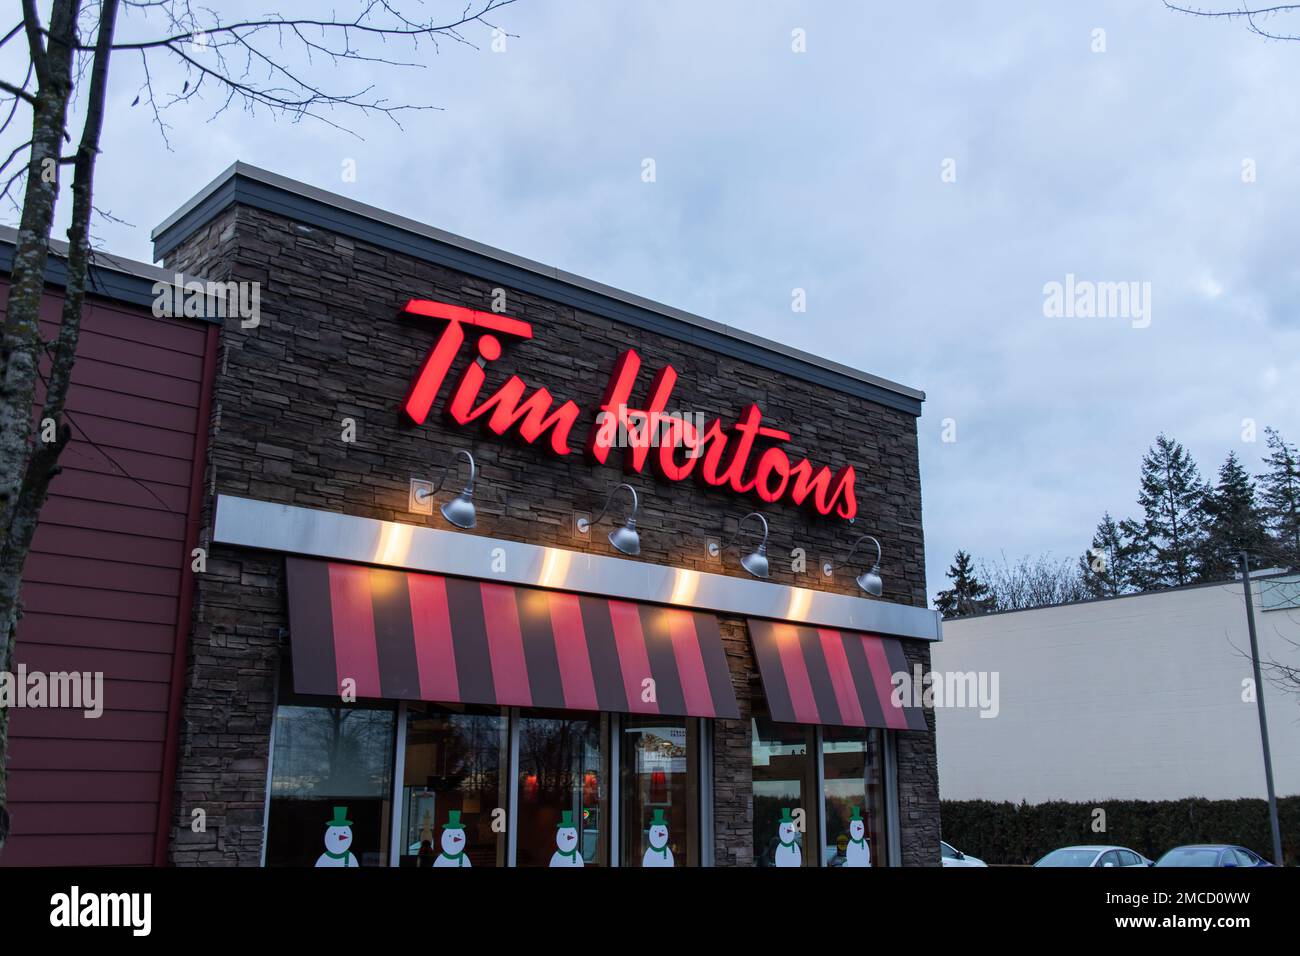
(1137, 697)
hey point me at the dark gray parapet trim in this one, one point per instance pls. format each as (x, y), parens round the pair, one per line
(242, 184)
(111, 277)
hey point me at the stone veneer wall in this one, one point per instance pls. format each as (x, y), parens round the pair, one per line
(330, 347)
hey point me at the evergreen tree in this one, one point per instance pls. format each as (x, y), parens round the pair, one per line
(1107, 567)
(967, 594)
(1167, 540)
(1280, 492)
(1234, 523)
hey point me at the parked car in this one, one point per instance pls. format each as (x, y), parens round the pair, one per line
(1120, 856)
(1212, 854)
(951, 856)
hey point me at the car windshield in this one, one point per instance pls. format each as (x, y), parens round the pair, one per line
(1068, 857)
(1190, 856)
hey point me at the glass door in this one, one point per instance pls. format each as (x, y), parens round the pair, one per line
(561, 796)
(785, 781)
(454, 786)
(854, 791)
(660, 791)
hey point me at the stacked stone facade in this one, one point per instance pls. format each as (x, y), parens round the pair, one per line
(331, 349)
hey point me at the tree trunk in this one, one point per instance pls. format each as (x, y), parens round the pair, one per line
(25, 474)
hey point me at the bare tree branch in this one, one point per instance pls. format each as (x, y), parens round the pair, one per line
(1252, 16)
(35, 48)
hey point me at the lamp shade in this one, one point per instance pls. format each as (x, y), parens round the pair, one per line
(870, 581)
(460, 510)
(756, 562)
(625, 539)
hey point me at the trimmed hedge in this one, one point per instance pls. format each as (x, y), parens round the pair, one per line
(1007, 833)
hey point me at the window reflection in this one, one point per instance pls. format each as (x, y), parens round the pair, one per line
(561, 793)
(453, 783)
(784, 778)
(328, 757)
(853, 770)
(660, 787)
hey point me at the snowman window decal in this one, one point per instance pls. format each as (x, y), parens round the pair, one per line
(566, 842)
(658, 854)
(338, 841)
(787, 851)
(453, 842)
(858, 851)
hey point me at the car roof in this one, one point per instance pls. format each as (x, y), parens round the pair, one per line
(1098, 848)
(1208, 846)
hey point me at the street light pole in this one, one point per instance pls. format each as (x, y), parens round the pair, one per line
(1259, 704)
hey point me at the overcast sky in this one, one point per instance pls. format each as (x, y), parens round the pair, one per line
(823, 170)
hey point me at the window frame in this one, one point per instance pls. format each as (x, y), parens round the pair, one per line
(702, 806)
(285, 696)
(888, 804)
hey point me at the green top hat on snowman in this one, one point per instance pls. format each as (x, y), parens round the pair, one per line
(340, 818)
(453, 821)
(658, 819)
(566, 820)
(854, 814)
(785, 815)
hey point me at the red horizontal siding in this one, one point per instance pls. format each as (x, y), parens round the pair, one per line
(120, 690)
(97, 632)
(131, 408)
(95, 602)
(131, 381)
(136, 326)
(112, 433)
(121, 489)
(52, 539)
(103, 589)
(52, 818)
(140, 725)
(112, 575)
(82, 849)
(79, 513)
(108, 786)
(114, 663)
(31, 753)
(137, 355)
(142, 466)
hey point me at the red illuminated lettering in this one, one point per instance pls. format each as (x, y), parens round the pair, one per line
(717, 455)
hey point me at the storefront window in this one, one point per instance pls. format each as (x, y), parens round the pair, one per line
(562, 789)
(853, 774)
(453, 784)
(331, 784)
(785, 778)
(660, 789)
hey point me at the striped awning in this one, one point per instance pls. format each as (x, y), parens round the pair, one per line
(403, 635)
(817, 675)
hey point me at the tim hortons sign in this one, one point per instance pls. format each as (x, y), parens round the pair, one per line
(744, 457)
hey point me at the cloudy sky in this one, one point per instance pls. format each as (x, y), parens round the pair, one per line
(825, 170)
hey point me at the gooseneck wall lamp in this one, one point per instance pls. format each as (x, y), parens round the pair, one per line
(755, 562)
(869, 581)
(459, 510)
(625, 538)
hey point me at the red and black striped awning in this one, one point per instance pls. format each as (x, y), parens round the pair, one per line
(815, 675)
(404, 635)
